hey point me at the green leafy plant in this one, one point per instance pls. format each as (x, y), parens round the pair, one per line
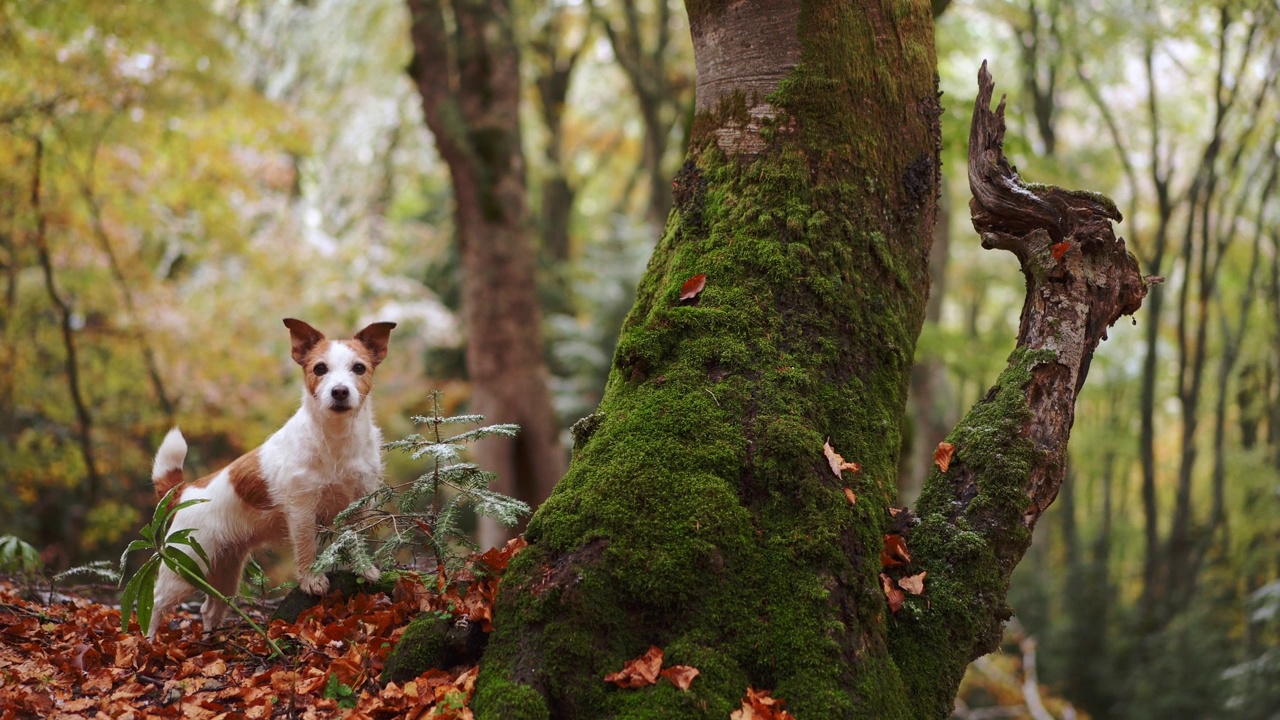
(139, 592)
(335, 689)
(429, 507)
(19, 557)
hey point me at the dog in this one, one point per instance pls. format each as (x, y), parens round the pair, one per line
(327, 455)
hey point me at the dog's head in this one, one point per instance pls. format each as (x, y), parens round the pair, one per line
(339, 373)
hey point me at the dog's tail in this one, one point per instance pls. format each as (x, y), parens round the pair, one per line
(167, 471)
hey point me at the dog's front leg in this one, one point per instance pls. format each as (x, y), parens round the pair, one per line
(302, 533)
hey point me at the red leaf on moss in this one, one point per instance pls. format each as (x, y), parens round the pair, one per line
(1060, 249)
(892, 593)
(836, 462)
(942, 456)
(913, 584)
(693, 287)
(640, 672)
(853, 498)
(895, 552)
(681, 675)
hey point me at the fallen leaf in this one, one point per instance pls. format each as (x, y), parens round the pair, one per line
(681, 675)
(693, 287)
(894, 595)
(639, 672)
(836, 462)
(895, 512)
(895, 552)
(215, 668)
(942, 456)
(1060, 249)
(498, 558)
(853, 498)
(757, 705)
(913, 584)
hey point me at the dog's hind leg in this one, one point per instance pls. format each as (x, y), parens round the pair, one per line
(225, 577)
(170, 590)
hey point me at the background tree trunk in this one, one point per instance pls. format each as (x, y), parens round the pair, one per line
(467, 72)
(699, 513)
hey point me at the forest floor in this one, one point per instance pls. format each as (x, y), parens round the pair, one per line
(69, 659)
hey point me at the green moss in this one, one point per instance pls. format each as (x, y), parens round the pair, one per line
(421, 648)
(968, 558)
(497, 698)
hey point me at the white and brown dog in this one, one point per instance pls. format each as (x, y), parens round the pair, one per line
(327, 455)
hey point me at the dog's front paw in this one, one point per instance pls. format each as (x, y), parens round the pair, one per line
(314, 584)
(372, 575)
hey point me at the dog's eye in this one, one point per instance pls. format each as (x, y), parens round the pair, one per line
(320, 369)
(358, 368)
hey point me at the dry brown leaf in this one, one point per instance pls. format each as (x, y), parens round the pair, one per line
(894, 595)
(853, 498)
(895, 552)
(693, 287)
(913, 584)
(895, 512)
(640, 672)
(836, 462)
(681, 675)
(942, 456)
(757, 705)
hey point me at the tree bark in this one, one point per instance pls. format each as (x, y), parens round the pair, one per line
(699, 513)
(468, 76)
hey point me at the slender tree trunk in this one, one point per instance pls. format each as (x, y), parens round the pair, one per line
(699, 513)
(932, 401)
(71, 362)
(470, 85)
(642, 43)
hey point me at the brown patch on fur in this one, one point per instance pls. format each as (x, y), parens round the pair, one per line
(375, 337)
(302, 338)
(314, 355)
(364, 383)
(246, 479)
(168, 481)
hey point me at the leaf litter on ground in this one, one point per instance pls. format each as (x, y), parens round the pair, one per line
(70, 659)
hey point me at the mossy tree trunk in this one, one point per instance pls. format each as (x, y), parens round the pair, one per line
(699, 513)
(466, 67)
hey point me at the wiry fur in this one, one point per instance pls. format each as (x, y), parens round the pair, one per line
(325, 456)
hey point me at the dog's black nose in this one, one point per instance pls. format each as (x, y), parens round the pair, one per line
(341, 393)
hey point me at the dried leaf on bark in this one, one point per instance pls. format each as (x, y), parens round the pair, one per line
(942, 456)
(639, 672)
(681, 675)
(913, 584)
(693, 287)
(895, 596)
(895, 552)
(836, 462)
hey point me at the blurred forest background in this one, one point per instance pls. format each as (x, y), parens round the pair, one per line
(175, 178)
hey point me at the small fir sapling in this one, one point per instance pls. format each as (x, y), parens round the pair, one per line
(429, 509)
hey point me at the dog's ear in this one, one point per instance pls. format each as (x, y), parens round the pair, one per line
(375, 337)
(304, 337)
